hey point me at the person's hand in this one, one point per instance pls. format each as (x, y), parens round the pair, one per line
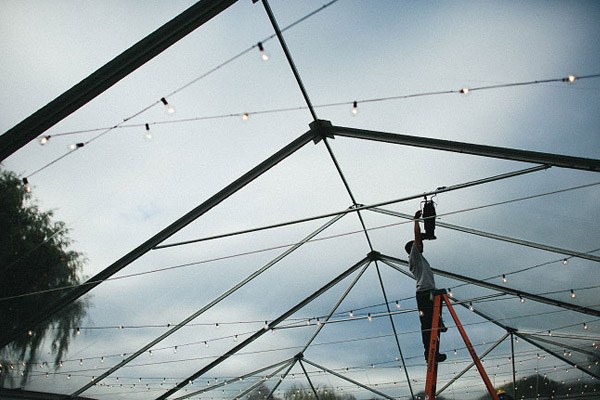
(417, 215)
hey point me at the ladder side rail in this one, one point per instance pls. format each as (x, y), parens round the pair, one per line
(476, 360)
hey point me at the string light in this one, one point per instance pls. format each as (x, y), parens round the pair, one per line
(585, 326)
(78, 332)
(354, 108)
(148, 134)
(266, 327)
(318, 322)
(521, 299)
(573, 295)
(28, 190)
(565, 261)
(263, 54)
(205, 343)
(504, 279)
(351, 313)
(397, 304)
(245, 116)
(369, 317)
(570, 79)
(450, 292)
(168, 107)
(44, 139)
(75, 146)
(471, 308)
(464, 90)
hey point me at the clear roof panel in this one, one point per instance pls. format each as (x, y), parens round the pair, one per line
(278, 283)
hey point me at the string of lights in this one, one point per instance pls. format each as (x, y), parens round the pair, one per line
(44, 139)
(368, 317)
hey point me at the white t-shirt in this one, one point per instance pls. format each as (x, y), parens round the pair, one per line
(421, 270)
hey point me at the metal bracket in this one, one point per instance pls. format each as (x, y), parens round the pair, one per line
(320, 129)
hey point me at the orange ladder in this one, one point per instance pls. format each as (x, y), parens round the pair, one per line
(434, 342)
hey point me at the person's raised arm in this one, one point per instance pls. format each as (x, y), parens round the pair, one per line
(418, 240)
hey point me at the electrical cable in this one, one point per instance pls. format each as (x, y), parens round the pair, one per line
(299, 108)
(195, 263)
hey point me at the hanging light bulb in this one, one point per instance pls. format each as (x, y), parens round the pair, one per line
(450, 292)
(245, 116)
(354, 108)
(28, 190)
(44, 139)
(318, 322)
(175, 349)
(81, 361)
(78, 332)
(75, 146)
(464, 90)
(235, 338)
(369, 317)
(521, 299)
(217, 325)
(266, 327)
(585, 326)
(168, 107)
(205, 343)
(263, 54)
(148, 134)
(397, 304)
(573, 295)
(351, 313)
(471, 308)
(570, 79)
(504, 279)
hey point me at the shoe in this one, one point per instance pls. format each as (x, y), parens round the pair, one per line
(440, 357)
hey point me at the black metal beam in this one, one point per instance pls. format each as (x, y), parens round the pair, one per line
(503, 289)
(261, 332)
(75, 293)
(112, 72)
(557, 160)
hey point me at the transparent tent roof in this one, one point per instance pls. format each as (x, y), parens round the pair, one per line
(296, 276)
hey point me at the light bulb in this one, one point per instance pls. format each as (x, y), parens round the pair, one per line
(263, 54)
(465, 90)
(573, 295)
(148, 134)
(318, 322)
(28, 190)
(521, 299)
(471, 306)
(235, 338)
(75, 146)
(585, 326)
(354, 108)
(504, 279)
(205, 343)
(351, 314)
(217, 325)
(175, 349)
(450, 293)
(168, 107)
(397, 304)
(266, 327)
(565, 261)
(245, 116)
(44, 139)
(369, 317)
(570, 79)
(78, 331)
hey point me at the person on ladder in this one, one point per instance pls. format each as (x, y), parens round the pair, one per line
(421, 270)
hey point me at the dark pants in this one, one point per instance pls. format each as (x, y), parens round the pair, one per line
(425, 306)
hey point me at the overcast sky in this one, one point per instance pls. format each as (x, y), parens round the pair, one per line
(121, 188)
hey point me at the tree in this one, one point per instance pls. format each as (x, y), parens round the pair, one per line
(35, 261)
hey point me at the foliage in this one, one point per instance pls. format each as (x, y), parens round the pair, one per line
(538, 386)
(34, 258)
(324, 393)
